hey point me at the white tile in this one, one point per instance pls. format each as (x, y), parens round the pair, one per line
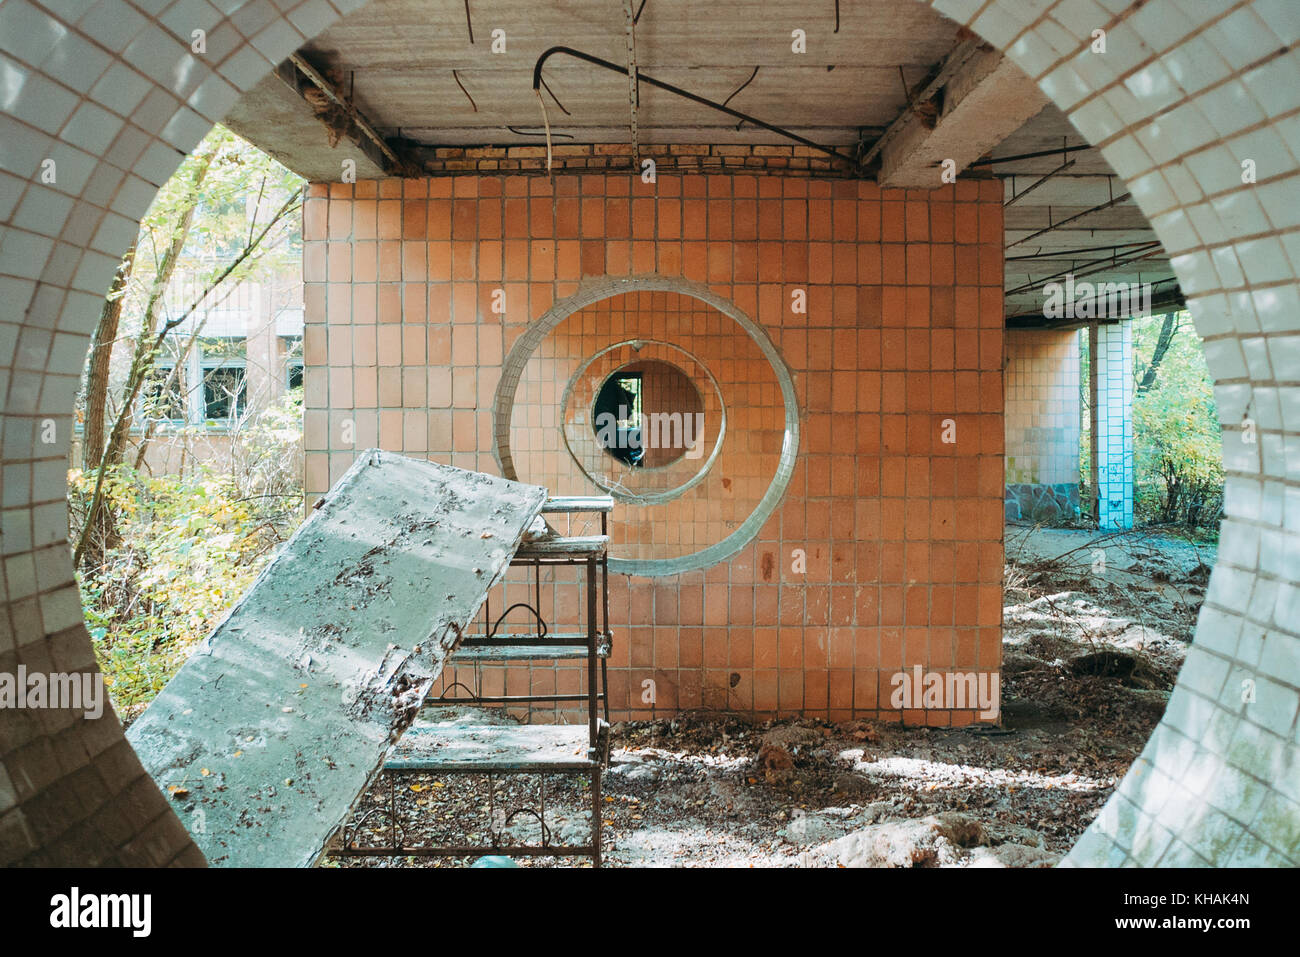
(115, 235)
(1264, 261)
(112, 23)
(1227, 267)
(161, 56)
(184, 18)
(245, 68)
(1153, 87)
(1194, 65)
(185, 129)
(1281, 201)
(1195, 273)
(1274, 84)
(95, 271)
(1215, 169)
(311, 18)
(1229, 107)
(278, 40)
(1125, 49)
(27, 33)
(33, 98)
(1282, 18)
(252, 18)
(1240, 212)
(158, 163)
(133, 197)
(1185, 187)
(1064, 86)
(1241, 38)
(155, 111)
(101, 186)
(1224, 356)
(1161, 25)
(1081, 18)
(213, 98)
(1277, 308)
(1127, 157)
(121, 89)
(75, 61)
(1175, 232)
(1096, 120)
(92, 128)
(43, 210)
(1271, 155)
(1032, 55)
(1255, 349)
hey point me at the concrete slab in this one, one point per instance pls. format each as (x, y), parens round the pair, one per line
(268, 735)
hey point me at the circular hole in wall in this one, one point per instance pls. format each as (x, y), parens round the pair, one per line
(669, 351)
(673, 453)
(648, 415)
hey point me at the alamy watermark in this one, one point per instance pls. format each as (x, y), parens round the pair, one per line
(947, 690)
(1102, 300)
(659, 430)
(75, 691)
(76, 909)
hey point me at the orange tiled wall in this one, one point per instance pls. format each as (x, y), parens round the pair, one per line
(902, 530)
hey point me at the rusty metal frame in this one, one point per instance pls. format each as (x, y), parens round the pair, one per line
(401, 848)
(596, 639)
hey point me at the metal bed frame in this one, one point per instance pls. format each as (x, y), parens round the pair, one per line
(476, 742)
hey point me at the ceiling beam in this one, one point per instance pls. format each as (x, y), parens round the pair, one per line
(340, 118)
(982, 100)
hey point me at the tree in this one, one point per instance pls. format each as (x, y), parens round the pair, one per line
(202, 220)
(1177, 443)
(1168, 327)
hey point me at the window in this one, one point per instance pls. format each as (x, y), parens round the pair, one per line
(294, 377)
(616, 417)
(225, 391)
(648, 414)
(157, 404)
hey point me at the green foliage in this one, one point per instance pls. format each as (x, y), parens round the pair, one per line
(188, 547)
(1177, 444)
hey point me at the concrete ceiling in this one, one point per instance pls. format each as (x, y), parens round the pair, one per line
(1111, 235)
(394, 60)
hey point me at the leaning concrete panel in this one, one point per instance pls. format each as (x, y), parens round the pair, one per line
(270, 732)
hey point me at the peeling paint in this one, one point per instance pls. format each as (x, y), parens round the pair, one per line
(268, 735)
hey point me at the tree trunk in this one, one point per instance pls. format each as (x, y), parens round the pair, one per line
(1167, 330)
(142, 362)
(101, 353)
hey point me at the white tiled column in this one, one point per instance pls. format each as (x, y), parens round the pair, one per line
(1111, 392)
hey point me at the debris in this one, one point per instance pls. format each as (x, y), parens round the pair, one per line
(928, 842)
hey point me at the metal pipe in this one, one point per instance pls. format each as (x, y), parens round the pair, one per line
(685, 94)
(1024, 156)
(1087, 212)
(633, 93)
(1087, 269)
(1068, 253)
(1037, 183)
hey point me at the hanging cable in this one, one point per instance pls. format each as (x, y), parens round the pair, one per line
(547, 124)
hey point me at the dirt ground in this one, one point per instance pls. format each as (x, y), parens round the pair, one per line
(1095, 630)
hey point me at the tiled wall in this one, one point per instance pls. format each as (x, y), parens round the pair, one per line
(1042, 406)
(732, 378)
(898, 352)
(1111, 394)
